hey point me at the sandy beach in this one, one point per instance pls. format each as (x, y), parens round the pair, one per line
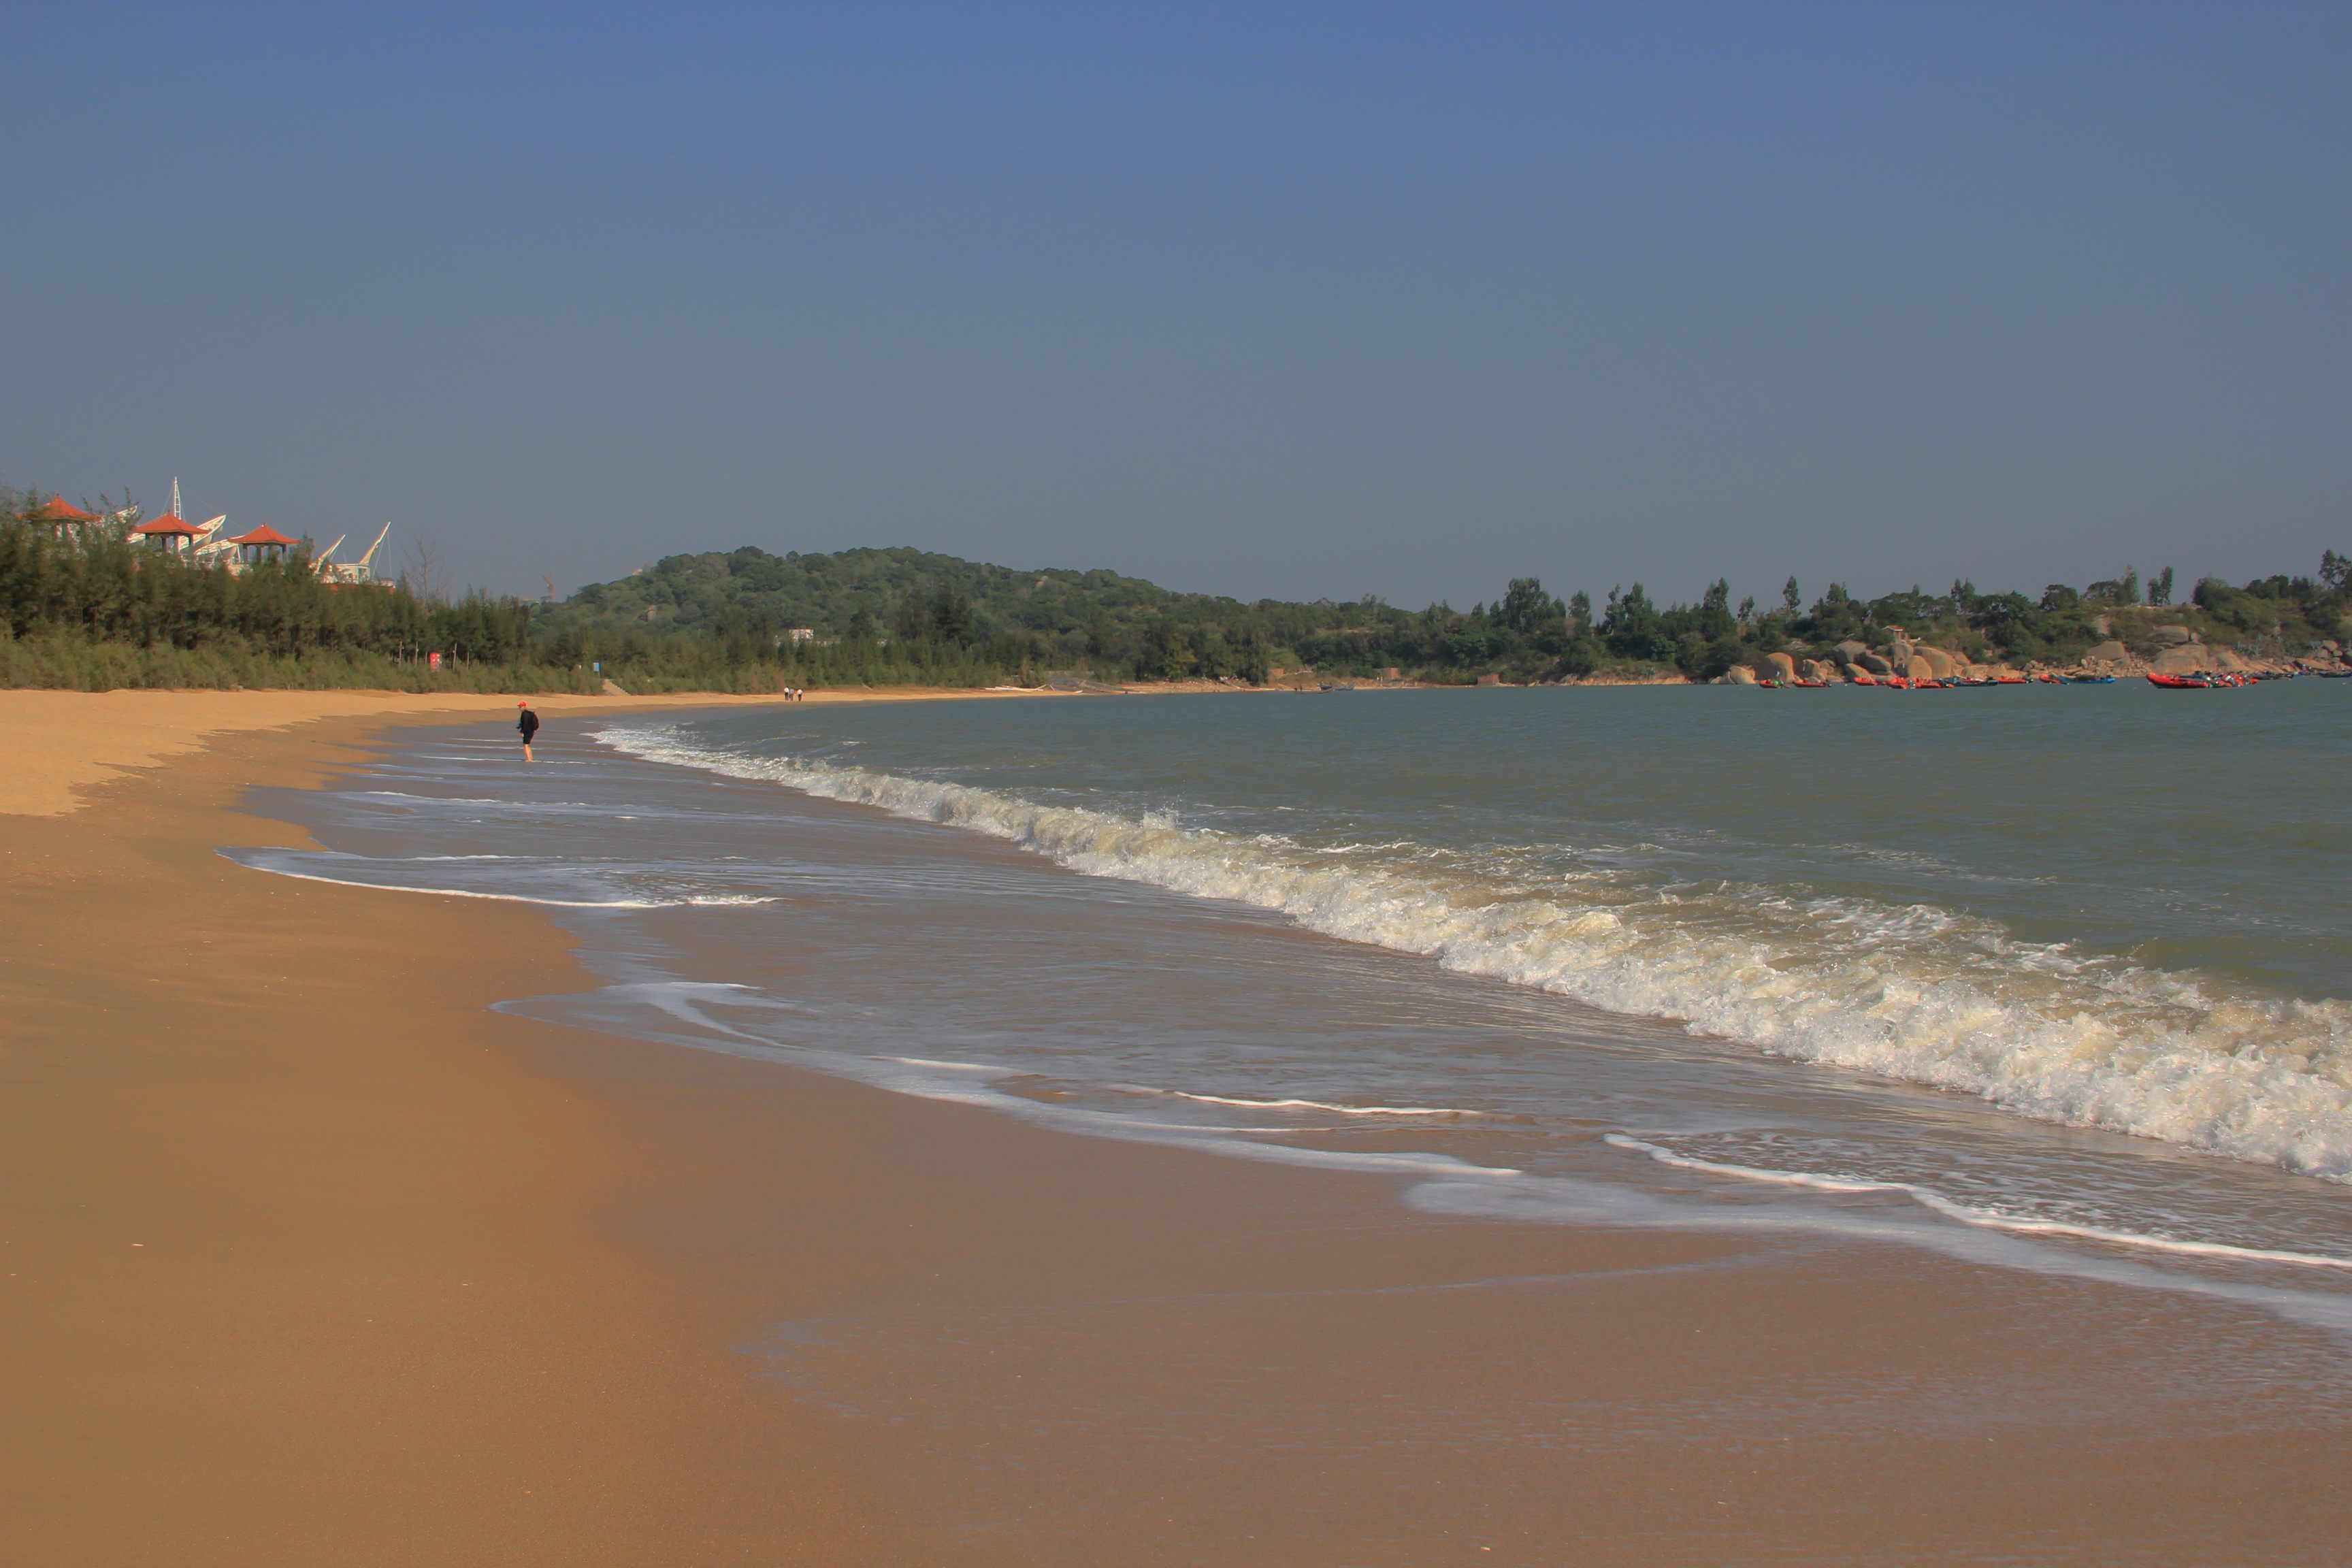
(312, 1258)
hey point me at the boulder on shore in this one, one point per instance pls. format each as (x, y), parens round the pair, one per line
(2109, 652)
(1782, 665)
(1943, 665)
(1876, 664)
(1742, 676)
(2186, 659)
(2172, 637)
(1850, 651)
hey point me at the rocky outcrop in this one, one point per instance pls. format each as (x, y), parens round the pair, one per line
(2172, 637)
(2109, 652)
(1850, 651)
(1740, 675)
(2186, 659)
(1874, 663)
(1782, 665)
(1941, 666)
(2224, 660)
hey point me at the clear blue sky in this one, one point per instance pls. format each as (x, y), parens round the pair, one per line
(1259, 299)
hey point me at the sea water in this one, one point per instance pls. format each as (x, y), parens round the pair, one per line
(2054, 978)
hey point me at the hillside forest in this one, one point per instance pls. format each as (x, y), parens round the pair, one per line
(89, 608)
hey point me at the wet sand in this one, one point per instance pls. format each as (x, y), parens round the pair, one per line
(311, 1258)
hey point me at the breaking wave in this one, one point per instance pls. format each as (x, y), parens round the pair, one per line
(1913, 993)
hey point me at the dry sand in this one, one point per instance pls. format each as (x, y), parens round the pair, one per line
(309, 1259)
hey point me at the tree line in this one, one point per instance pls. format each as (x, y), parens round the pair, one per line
(880, 615)
(91, 608)
(88, 607)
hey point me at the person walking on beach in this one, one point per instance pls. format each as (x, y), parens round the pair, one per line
(527, 722)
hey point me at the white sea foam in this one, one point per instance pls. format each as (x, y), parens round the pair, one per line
(287, 864)
(1970, 1214)
(1545, 1200)
(1313, 1105)
(1441, 1183)
(1917, 993)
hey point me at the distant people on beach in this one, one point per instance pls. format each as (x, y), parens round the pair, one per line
(527, 722)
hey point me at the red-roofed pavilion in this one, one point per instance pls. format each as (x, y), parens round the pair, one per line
(258, 544)
(167, 533)
(58, 513)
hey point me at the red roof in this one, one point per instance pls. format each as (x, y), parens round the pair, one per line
(166, 525)
(265, 534)
(57, 508)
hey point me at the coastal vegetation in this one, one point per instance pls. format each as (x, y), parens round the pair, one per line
(878, 616)
(89, 608)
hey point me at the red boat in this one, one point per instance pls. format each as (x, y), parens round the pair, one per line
(2179, 682)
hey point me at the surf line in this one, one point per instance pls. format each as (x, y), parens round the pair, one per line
(1985, 1219)
(1301, 1104)
(696, 901)
(1594, 953)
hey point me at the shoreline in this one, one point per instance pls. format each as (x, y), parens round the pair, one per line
(65, 742)
(266, 1142)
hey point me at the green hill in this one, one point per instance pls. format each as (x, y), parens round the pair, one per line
(889, 615)
(901, 614)
(826, 593)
